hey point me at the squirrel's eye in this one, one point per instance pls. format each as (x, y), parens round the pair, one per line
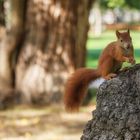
(121, 40)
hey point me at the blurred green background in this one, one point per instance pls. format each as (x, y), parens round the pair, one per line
(96, 44)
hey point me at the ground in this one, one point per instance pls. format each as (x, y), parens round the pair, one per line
(43, 123)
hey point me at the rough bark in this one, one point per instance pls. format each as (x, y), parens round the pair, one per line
(117, 116)
(55, 44)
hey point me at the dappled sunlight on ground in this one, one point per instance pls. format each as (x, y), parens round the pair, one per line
(43, 123)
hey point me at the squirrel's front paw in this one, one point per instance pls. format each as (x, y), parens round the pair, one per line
(132, 60)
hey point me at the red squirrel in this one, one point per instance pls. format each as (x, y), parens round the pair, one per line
(110, 62)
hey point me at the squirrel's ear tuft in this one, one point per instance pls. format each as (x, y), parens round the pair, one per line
(117, 34)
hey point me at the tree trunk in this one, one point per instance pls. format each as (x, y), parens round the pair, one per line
(10, 41)
(98, 19)
(54, 46)
(2, 21)
(117, 116)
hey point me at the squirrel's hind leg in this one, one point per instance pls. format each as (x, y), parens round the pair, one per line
(110, 76)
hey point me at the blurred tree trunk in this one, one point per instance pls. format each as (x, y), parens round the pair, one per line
(10, 41)
(54, 45)
(98, 19)
(2, 21)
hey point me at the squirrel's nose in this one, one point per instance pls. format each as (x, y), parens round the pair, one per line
(128, 46)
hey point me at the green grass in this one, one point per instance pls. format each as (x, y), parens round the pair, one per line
(96, 45)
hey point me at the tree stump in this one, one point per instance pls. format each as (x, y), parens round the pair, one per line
(117, 115)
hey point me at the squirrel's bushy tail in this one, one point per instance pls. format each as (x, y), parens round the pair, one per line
(76, 87)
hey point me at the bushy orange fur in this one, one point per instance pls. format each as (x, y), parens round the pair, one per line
(76, 87)
(110, 62)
